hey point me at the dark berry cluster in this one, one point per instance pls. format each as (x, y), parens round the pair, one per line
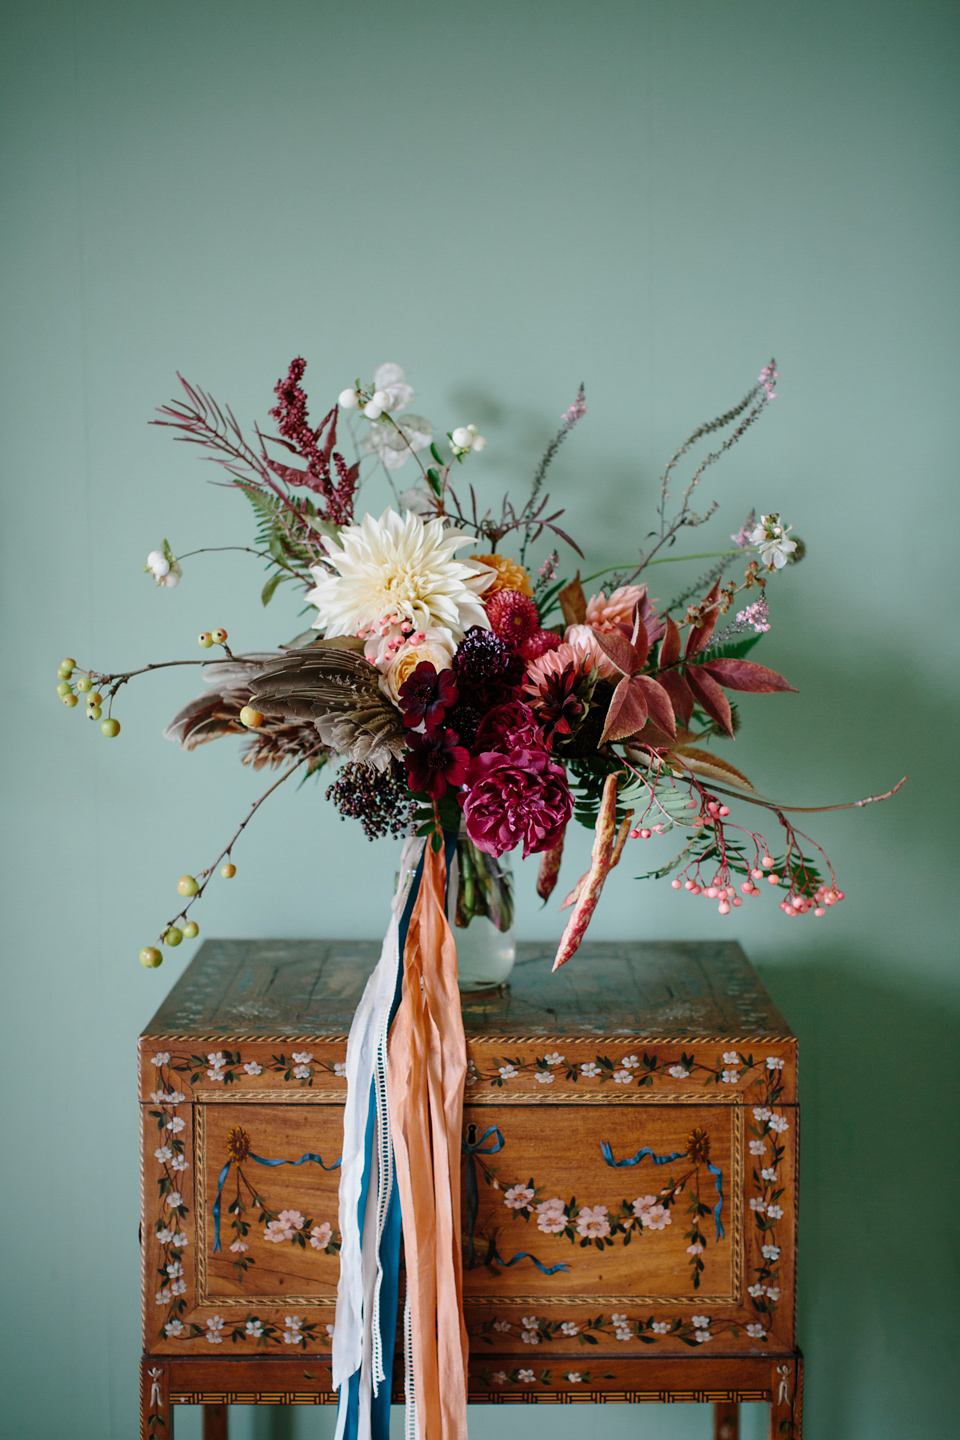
(379, 799)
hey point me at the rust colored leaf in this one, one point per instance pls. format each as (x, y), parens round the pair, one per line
(681, 696)
(639, 639)
(702, 762)
(747, 675)
(710, 696)
(625, 656)
(659, 704)
(600, 857)
(670, 644)
(627, 713)
(700, 634)
(573, 602)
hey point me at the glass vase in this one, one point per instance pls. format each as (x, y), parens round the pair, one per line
(480, 911)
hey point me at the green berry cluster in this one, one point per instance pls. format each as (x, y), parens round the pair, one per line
(70, 691)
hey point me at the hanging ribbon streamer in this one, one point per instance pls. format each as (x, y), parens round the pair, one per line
(426, 1072)
(222, 1180)
(647, 1154)
(369, 1210)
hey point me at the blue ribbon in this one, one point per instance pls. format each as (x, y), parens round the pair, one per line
(646, 1153)
(222, 1180)
(471, 1150)
(495, 1258)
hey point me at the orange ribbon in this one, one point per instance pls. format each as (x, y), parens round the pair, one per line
(427, 1063)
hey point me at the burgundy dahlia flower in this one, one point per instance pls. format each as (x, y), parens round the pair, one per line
(426, 695)
(435, 760)
(512, 798)
(487, 669)
(510, 727)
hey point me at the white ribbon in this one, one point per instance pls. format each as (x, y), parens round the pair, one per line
(355, 1344)
(155, 1396)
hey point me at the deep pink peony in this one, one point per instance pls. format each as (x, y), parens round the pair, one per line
(510, 727)
(522, 797)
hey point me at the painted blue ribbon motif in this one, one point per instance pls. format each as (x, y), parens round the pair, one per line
(222, 1180)
(647, 1154)
(472, 1148)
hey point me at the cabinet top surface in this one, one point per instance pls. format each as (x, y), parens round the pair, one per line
(311, 987)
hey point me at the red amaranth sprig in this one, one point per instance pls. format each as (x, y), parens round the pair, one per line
(292, 421)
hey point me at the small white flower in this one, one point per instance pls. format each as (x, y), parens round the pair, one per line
(499, 1377)
(551, 1216)
(163, 1154)
(630, 1062)
(502, 1327)
(179, 1163)
(774, 1062)
(679, 1072)
(697, 1248)
(774, 1211)
(755, 1291)
(757, 1331)
(175, 1269)
(162, 1057)
(507, 1072)
(293, 1322)
(239, 1246)
(174, 1199)
(526, 1377)
(660, 1327)
(180, 1240)
(757, 1204)
(730, 1077)
(768, 1174)
(761, 1113)
(622, 1077)
(778, 1123)
(702, 1336)
(770, 537)
(320, 1235)
(529, 1322)
(253, 1328)
(530, 1337)
(554, 1059)
(518, 1197)
(175, 1096)
(214, 1326)
(214, 1074)
(699, 1322)
(329, 1329)
(176, 1123)
(770, 1252)
(215, 1058)
(589, 1069)
(253, 1067)
(301, 1072)
(302, 1057)
(545, 1077)
(164, 1236)
(730, 1057)
(592, 1222)
(291, 1335)
(163, 1297)
(569, 1328)
(756, 1147)
(179, 1287)
(574, 1377)
(340, 1068)
(173, 1328)
(622, 1332)
(773, 1292)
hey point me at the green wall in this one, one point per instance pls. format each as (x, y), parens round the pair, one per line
(506, 198)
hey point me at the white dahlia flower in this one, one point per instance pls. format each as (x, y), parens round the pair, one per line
(403, 568)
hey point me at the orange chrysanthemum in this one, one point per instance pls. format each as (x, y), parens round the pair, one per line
(510, 575)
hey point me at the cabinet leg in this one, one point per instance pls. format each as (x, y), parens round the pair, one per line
(214, 1422)
(726, 1420)
(786, 1399)
(156, 1415)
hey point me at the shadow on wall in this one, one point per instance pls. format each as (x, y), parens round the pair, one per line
(879, 1073)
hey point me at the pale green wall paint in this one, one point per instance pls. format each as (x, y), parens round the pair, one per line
(507, 199)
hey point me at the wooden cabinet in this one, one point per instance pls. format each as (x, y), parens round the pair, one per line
(630, 1163)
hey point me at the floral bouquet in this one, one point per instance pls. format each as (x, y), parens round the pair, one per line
(476, 697)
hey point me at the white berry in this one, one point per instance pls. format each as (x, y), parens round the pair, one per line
(372, 410)
(478, 443)
(171, 579)
(461, 437)
(158, 563)
(381, 398)
(348, 399)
